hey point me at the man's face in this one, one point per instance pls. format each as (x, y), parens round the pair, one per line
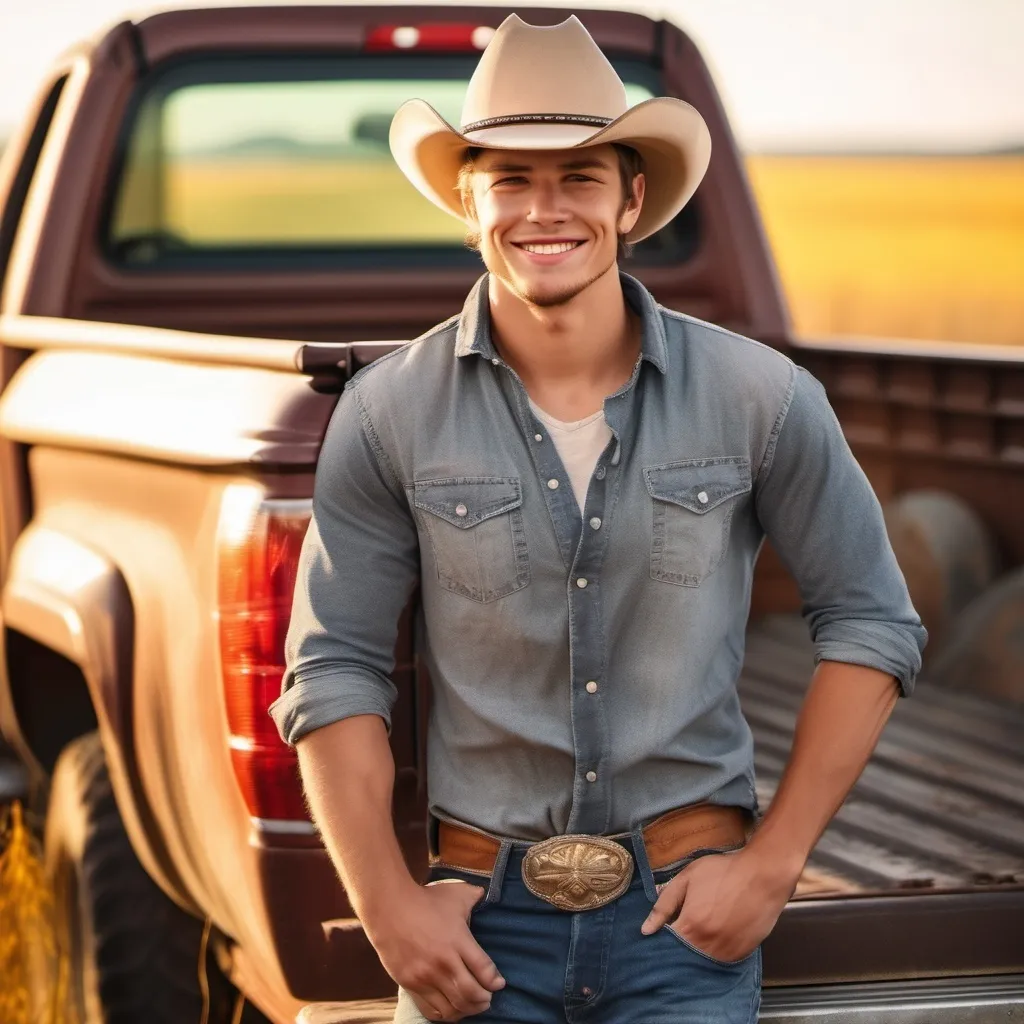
(549, 220)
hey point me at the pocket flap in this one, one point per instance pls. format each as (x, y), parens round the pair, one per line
(467, 501)
(700, 484)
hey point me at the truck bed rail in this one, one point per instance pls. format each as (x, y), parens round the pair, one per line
(313, 358)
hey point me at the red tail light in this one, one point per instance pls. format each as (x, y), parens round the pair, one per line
(259, 542)
(432, 36)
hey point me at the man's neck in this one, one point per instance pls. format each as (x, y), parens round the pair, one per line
(568, 357)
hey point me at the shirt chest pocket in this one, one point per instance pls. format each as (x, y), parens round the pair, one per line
(474, 526)
(693, 503)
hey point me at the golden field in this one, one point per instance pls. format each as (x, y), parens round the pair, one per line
(921, 247)
(918, 247)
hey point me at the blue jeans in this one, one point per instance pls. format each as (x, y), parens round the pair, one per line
(595, 966)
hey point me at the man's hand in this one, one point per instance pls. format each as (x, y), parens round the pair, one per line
(724, 904)
(424, 942)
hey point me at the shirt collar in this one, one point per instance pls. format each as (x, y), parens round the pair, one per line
(473, 335)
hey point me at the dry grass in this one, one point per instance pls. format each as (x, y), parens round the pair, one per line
(318, 201)
(898, 246)
(31, 975)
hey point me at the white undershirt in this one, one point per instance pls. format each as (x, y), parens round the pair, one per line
(579, 446)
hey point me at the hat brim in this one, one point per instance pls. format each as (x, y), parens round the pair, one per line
(669, 134)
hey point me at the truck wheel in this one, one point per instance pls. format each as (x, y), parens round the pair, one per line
(131, 954)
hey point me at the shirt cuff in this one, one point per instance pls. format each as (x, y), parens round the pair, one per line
(889, 648)
(310, 704)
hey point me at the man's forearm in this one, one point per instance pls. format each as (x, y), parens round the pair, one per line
(349, 774)
(839, 724)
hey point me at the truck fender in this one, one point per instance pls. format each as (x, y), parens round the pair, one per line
(74, 600)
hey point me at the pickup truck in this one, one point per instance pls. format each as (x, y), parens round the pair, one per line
(202, 236)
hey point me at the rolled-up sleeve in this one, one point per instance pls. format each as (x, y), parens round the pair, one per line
(358, 565)
(823, 518)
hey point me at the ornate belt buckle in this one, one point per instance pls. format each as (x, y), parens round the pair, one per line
(576, 872)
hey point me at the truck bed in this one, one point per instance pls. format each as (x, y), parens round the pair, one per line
(939, 806)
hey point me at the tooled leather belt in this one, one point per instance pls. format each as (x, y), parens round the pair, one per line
(581, 872)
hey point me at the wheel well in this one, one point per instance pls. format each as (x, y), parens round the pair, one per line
(51, 700)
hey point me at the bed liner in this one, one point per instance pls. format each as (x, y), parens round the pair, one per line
(940, 805)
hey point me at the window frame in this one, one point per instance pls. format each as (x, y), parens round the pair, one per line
(12, 205)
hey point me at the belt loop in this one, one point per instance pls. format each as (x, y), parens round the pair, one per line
(640, 854)
(498, 874)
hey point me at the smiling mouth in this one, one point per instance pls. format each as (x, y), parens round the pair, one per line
(548, 249)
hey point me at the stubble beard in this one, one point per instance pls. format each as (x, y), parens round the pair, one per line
(545, 299)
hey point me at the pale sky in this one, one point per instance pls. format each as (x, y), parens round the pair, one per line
(902, 75)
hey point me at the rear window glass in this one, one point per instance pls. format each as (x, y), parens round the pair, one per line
(282, 160)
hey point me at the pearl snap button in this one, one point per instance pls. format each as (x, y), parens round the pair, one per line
(600, 473)
(591, 776)
(581, 583)
(497, 362)
(553, 484)
(591, 687)
(538, 437)
(703, 497)
(461, 510)
(595, 523)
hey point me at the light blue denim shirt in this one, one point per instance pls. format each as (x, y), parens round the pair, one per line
(584, 667)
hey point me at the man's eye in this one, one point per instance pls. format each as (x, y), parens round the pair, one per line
(510, 181)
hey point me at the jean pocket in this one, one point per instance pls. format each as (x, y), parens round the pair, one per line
(707, 956)
(694, 502)
(441, 874)
(474, 526)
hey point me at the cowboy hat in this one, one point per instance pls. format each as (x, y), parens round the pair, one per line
(551, 87)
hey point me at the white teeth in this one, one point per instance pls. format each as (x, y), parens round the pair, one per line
(550, 250)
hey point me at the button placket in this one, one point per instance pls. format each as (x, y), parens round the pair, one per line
(590, 806)
(581, 540)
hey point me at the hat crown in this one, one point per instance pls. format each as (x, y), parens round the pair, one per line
(543, 69)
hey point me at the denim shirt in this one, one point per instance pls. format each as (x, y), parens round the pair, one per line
(584, 662)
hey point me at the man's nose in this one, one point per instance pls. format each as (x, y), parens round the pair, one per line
(547, 204)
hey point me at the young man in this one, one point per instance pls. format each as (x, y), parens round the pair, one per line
(581, 481)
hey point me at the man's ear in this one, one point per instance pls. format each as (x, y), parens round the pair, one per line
(633, 205)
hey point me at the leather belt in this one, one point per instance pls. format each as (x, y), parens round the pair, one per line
(581, 872)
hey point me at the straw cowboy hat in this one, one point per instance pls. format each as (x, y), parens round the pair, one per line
(551, 87)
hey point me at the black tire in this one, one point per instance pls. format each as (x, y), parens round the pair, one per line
(132, 955)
